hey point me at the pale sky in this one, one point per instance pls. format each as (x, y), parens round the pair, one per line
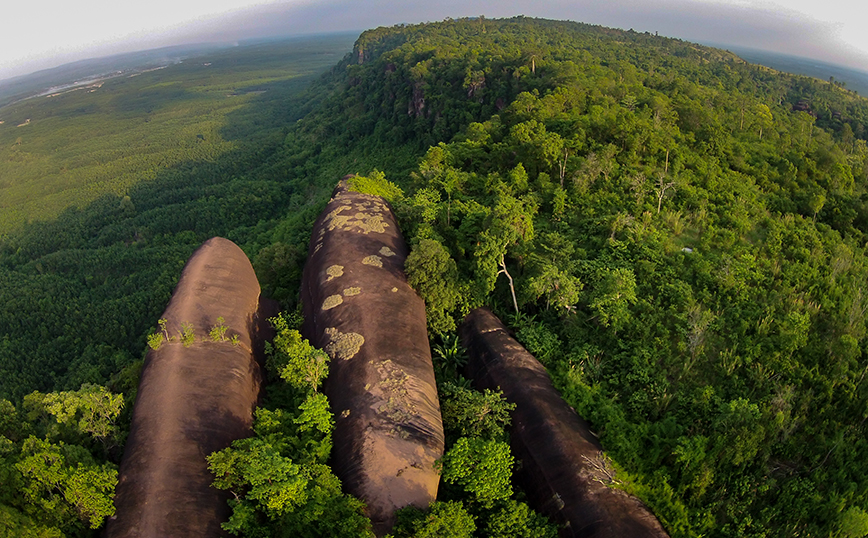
(44, 33)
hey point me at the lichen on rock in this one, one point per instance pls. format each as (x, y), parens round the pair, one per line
(334, 271)
(376, 261)
(365, 222)
(335, 220)
(387, 252)
(343, 346)
(369, 223)
(394, 404)
(349, 292)
(392, 378)
(332, 301)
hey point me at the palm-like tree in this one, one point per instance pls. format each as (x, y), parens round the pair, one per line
(449, 357)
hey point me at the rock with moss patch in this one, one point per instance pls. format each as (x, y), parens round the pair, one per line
(334, 271)
(332, 301)
(343, 346)
(376, 261)
(389, 433)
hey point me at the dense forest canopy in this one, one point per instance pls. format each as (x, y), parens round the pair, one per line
(679, 236)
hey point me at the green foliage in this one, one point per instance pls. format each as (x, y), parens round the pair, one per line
(314, 427)
(80, 286)
(449, 357)
(163, 323)
(279, 480)
(81, 145)
(513, 519)
(469, 413)
(92, 411)
(100, 256)
(10, 422)
(742, 433)
(482, 468)
(64, 485)
(476, 470)
(272, 482)
(447, 519)
(157, 338)
(509, 224)
(155, 341)
(559, 288)
(14, 523)
(328, 512)
(278, 268)
(434, 275)
(293, 359)
(854, 523)
(614, 293)
(218, 331)
(691, 274)
(58, 485)
(539, 340)
(187, 335)
(376, 184)
(91, 492)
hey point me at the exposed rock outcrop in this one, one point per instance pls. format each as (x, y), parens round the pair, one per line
(563, 470)
(360, 309)
(193, 399)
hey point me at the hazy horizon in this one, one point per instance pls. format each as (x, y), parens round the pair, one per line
(762, 26)
(57, 33)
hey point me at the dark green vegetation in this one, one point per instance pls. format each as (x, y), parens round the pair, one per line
(280, 477)
(72, 148)
(80, 291)
(687, 250)
(56, 480)
(685, 234)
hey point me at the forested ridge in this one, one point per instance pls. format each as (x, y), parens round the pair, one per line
(684, 232)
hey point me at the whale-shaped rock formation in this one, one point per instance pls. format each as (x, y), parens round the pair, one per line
(359, 308)
(192, 400)
(562, 469)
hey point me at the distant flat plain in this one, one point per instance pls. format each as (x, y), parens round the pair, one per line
(166, 107)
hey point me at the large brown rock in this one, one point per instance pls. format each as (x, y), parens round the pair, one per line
(562, 466)
(191, 402)
(360, 309)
